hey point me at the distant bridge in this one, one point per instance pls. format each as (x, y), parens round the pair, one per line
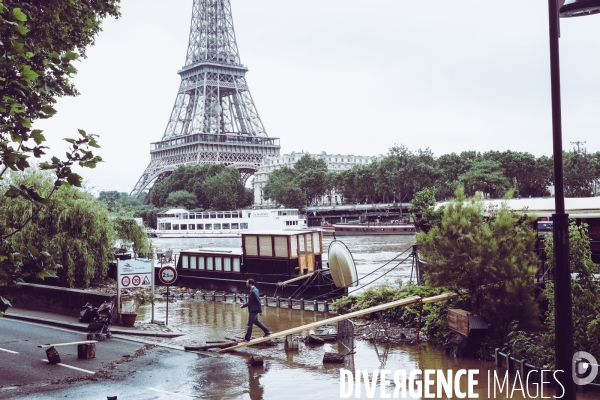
(349, 212)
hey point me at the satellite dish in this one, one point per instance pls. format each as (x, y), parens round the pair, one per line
(341, 265)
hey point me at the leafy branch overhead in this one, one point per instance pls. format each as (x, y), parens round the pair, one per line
(39, 41)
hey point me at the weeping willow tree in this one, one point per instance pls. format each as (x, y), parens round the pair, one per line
(130, 235)
(72, 231)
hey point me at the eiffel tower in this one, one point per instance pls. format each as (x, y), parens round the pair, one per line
(214, 119)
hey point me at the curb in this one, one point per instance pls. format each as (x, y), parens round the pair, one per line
(83, 328)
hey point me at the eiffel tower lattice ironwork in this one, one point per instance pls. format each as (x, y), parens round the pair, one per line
(214, 119)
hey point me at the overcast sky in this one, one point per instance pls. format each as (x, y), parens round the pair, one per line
(345, 77)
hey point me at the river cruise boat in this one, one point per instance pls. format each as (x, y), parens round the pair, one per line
(284, 263)
(180, 223)
(370, 229)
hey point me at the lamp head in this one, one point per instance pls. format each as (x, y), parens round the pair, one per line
(579, 8)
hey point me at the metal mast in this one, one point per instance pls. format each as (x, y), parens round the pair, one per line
(214, 119)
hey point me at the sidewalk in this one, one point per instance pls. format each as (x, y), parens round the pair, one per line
(66, 321)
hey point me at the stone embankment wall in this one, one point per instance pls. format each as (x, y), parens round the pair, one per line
(56, 299)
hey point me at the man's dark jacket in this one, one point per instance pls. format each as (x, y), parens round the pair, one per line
(253, 303)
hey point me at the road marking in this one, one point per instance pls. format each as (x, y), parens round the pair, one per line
(72, 367)
(171, 393)
(9, 351)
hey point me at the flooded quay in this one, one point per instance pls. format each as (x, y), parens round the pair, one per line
(301, 374)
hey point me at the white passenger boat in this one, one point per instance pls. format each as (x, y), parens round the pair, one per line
(180, 223)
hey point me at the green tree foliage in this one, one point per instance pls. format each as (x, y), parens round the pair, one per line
(119, 201)
(214, 186)
(130, 235)
(487, 177)
(283, 189)
(490, 260)
(423, 209)
(579, 173)
(225, 190)
(181, 199)
(308, 163)
(73, 233)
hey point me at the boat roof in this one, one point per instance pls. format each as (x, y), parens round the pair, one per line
(281, 232)
(215, 250)
(546, 205)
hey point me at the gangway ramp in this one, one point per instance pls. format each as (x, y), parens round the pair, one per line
(398, 303)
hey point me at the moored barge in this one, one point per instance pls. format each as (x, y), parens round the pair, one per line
(270, 258)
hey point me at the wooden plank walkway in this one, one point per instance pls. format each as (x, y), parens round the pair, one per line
(398, 303)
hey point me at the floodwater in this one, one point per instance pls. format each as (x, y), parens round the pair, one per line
(301, 374)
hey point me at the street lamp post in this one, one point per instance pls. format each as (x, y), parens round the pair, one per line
(562, 276)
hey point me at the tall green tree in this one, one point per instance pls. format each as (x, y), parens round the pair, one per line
(283, 188)
(225, 190)
(491, 261)
(487, 177)
(181, 199)
(579, 173)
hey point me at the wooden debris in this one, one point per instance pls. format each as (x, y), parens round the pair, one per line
(86, 351)
(255, 361)
(220, 345)
(53, 356)
(312, 338)
(333, 358)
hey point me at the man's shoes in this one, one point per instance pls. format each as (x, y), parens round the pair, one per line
(267, 334)
(243, 341)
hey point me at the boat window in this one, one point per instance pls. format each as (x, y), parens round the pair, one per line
(217, 226)
(244, 225)
(218, 264)
(294, 245)
(185, 216)
(199, 226)
(251, 246)
(302, 247)
(183, 227)
(227, 215)
(192, 216)
(227, 264)
(208, 227)
(235, 226)
(209, 264)
(213, 215)
(265, 246)
(201, 264)
(168, 226)
(249, 215)
(175, 227)
(236, 265)
(192, 227)
(281, 247)
(309, 246)
(317, 242)
(220, 215)
(184, 262)
(193, 262)
(225, 226)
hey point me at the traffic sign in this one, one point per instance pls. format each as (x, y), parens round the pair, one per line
(167, 275)
(125, 281)
(136, 280)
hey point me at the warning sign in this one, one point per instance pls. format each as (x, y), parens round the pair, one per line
(146, 280)
(136, 280)
(125, 281)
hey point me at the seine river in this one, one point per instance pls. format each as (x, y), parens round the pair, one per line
(301, 374)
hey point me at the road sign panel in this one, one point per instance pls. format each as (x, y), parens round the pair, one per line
(125, 281)
(167, 275)
(136, 280)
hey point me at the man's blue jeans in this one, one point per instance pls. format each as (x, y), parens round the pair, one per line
(253, 320)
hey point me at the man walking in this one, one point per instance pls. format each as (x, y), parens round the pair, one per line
(254, 309)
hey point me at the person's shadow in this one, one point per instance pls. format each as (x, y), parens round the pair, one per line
(255, 387)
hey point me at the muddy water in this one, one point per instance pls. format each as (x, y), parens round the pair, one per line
(301, 374)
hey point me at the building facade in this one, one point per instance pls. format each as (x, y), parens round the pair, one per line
(334, 162)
